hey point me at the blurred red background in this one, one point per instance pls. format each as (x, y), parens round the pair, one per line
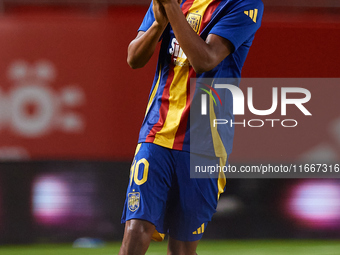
(67, 92)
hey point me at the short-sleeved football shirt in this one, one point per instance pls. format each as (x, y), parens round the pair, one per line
(167, 120)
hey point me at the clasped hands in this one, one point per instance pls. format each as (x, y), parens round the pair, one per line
(159, 10)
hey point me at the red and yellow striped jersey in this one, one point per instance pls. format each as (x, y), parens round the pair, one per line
(167, 117)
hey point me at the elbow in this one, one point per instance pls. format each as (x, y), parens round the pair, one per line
(199, 70)
(206, 65)
(133, 63)
(206, 62)
(133, 66)
(202, 68)
(131, 58)
(203, 64)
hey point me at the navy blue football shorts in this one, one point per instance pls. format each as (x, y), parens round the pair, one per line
(161, 191)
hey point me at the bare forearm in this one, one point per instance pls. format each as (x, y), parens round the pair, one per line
(196, 49)
(142, 48)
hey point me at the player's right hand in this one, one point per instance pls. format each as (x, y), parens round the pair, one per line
(159, 13)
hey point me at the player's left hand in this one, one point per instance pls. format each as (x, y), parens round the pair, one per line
(159, 13)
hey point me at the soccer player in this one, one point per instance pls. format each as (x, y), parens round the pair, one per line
(200, 39)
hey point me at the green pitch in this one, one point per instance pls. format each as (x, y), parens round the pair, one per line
(267, 247)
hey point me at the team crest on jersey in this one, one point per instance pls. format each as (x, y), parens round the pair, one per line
(133, 201)
(194, 20)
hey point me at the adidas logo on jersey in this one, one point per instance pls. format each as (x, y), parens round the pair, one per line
(252, 14)
(199, 231)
